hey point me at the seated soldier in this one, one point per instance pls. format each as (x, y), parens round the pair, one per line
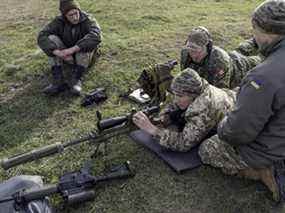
(219, 68)
(70, 39)
(251, 138)
(204, 106)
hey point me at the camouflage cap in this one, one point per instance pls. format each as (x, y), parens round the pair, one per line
(200, 36)
(270, 16)
(188, 82)
(67, 5)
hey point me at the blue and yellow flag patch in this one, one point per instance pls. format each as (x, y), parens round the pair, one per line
(256, 84)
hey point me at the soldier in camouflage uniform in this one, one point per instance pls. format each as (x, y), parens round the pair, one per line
(204, 105)
(219, 68)
(251, 139)
(70, 40)
(248, 47)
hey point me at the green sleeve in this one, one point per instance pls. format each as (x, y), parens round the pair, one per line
(53, 28)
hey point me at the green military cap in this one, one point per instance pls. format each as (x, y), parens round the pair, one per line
(270, 16)
(199, 36)
(67, 5)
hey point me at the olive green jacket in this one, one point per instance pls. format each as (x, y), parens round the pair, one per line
(86, 34)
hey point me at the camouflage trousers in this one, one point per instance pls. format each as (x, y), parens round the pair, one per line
(83, 59)
(217, 153)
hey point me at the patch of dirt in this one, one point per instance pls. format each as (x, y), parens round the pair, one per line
(14, 11)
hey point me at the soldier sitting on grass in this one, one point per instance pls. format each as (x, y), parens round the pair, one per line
(251, 139)
(69, 40)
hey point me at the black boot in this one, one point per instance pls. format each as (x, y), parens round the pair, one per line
(58, 84)
(76, 80)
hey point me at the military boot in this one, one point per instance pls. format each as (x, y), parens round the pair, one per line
(77, 73)
(268, 179)
(266, 176)
(279, 174)
(57, 84)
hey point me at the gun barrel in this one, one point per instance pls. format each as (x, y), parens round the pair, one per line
(111, 122)
(40, 193)
(32, 155)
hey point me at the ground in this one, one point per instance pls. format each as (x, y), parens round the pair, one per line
(136, 33)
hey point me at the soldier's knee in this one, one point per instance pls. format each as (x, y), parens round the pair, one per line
(57, 41)
(208, 150)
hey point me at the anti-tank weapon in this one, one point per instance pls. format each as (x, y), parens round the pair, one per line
(73, 187)
(106, 129)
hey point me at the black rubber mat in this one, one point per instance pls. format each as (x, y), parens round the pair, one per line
(179, 161)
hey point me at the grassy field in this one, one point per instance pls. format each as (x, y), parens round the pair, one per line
(135, 33)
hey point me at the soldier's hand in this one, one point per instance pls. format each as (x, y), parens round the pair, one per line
(70, 51)
(58, 53)
(143, 122)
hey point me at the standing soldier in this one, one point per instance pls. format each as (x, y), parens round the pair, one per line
(251, 138)
(71, 40)
(203, 104)
(219, 68)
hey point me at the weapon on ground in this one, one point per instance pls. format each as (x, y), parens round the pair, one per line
(96, 96)
(73, 187)
(106, 129)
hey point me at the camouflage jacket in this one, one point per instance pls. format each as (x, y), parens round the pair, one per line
(216, 68)
(86, 34)
(222, 69)
(248, 47)
(201, 117)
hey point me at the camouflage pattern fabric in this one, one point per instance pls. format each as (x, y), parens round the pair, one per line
(270, 16)
(202, 115)
(241, 65)
(220, 154)
(199, 36)
(156, 79)
(221, 69)
(248, 47)
(189, 83)
(216, 68)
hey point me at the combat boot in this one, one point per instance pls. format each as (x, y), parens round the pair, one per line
(76, 85)
(268, 179)
(58, 84)
(266, 176)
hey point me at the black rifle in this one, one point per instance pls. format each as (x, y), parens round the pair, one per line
(73, 187)
(96, 96)
(106, 129)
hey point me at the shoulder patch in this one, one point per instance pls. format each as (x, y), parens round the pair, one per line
(256, 84)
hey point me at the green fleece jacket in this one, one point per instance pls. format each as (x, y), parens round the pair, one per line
(86, 34)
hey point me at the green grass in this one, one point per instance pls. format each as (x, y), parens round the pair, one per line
(135, 34)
